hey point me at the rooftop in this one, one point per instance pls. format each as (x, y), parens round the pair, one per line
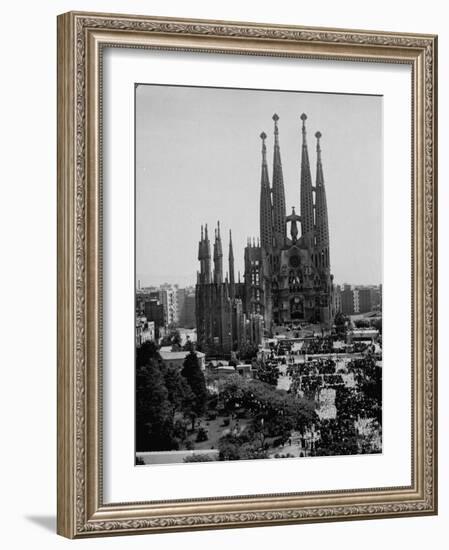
(173, 355)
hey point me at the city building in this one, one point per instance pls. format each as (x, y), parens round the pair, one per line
(360, 299)
(287, 278)
(368, 335)
(145, 331)
(177, 358)
(337, 298)
(154, 311)
(186, 307)
(168, 296)
(189, 311)
(347, 300)
(180, 298)
(160, 304)
(187, 335)
(364, 299)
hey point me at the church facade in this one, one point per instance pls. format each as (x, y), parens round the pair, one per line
(287, 279)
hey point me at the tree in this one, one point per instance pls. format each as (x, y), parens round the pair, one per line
(340, 322)
(268, 372)
(377, 324)
(161, 392)
(348, 403)
(202, 435)
(274, 412)
(179, 391)
(194, 376)
(308, 381)
(189, 345)
(154, 413)
(147, 352)
(247, 351)
(338, 437)
(172, 339)
(231, 391)
(368, 378)
(277, 413)
(241, 447)
(229, 448)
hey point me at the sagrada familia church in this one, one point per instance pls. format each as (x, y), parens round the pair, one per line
(287, 279)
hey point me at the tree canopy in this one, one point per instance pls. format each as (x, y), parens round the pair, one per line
(161, 392)
(192, 373)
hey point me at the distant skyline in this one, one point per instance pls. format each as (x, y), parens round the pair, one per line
(198, 161)
(143, 287)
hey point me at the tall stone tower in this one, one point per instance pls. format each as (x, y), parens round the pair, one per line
(287, 278)
(266, 208)
(231, 266)
(278, 191)
(322, 225)
(307, 218)
(218, 257)
(219, 310)
(297, 283)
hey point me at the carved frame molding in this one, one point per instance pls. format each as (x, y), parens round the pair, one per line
(81, 38)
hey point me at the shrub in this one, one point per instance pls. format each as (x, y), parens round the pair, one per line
(201, 435)
(196, 457)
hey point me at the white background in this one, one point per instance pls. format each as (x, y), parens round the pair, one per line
(28, 275)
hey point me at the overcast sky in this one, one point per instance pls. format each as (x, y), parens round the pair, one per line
(198, 155)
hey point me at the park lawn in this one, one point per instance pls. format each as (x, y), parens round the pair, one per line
(215, 430)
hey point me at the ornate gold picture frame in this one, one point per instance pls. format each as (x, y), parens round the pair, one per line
(82, 40)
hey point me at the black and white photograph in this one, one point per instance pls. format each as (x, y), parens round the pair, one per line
(258, 274)
(226, 220)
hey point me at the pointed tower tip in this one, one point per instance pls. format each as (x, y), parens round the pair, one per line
(318, 146)
(263, 137)
(276, 129)
(303, 118)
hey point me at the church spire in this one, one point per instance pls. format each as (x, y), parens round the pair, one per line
(204, 256)
(322, 225)
(266, 213)
(278, 190)
(231, 266)
(218, 257)
(207, 256)
(201, 256)
(201, 246)
(307, 223)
